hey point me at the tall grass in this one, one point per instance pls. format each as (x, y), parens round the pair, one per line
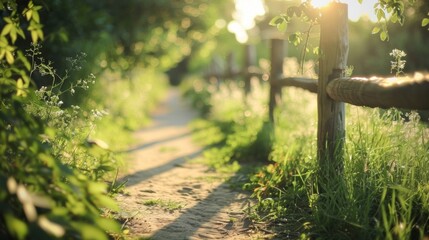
(382, 193)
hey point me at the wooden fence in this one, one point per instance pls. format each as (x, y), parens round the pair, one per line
(333, 89)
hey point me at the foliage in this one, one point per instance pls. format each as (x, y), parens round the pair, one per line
(119, 36)
(385, 10)
(48, 189)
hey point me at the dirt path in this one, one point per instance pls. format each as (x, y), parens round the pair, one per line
(168, 197)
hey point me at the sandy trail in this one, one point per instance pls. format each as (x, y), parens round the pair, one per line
(160, 178)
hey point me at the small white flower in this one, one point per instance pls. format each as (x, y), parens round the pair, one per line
(75, 107)
(59, 113)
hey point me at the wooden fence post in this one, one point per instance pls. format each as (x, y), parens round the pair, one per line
(277, 55)
(216, 71)
(334, 47)
(231, 66)
(249, 61)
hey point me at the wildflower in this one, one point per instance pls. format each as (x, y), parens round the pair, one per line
(398, 64)
(396, 53)
(55, 98)
(59, 113)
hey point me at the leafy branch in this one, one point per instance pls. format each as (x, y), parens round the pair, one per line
(308, 14)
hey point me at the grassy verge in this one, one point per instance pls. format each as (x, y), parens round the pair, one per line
(382, 194)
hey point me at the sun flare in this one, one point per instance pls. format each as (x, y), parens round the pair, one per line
(320, 3)
(244, 17)
(357, 9)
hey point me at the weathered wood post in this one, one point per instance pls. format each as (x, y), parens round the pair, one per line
(231, 66)
(334, 48)
(249, 61)
(216, 71)
(277, 55)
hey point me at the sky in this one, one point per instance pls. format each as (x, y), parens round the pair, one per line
(248, 10)
(356, 10)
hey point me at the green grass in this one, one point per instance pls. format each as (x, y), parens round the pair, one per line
(167, 205)
(382, 193)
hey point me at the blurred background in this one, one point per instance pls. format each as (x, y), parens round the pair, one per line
(175, 37)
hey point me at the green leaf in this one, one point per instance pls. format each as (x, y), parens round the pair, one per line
(380, 14)
(36, 16)
(13, 35)
(16, 227)
(96, 188)
(46, 159)
(394, 18)
(86, 231)
(282, 26)
(8, 20)
(425, 22)
(384, 36)
(6, 29)
(107, 202)
(9, 57)
(24, 60)
(375, 30)
(40, 33)
(295, 38)
(316, 51)
(274, 21)
(108, 225)
(20, 32)
(34, 36)
(28, 14)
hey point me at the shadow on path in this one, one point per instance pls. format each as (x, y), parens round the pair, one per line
(150, 144)
(203, 221)
(142, 175)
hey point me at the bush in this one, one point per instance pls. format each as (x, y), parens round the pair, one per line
(49, 188)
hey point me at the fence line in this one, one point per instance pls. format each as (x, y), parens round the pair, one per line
(403, 92)
(333, 88)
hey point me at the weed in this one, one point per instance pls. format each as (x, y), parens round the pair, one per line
(167, 205)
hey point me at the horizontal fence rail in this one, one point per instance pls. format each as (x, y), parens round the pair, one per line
(308, 84)
(250, 72)
(401, 92)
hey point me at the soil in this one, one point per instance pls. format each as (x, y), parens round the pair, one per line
(169, 196)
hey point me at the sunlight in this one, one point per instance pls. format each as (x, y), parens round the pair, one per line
(365, 9)
(244, 17)
(320, 3)
(356, 9)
